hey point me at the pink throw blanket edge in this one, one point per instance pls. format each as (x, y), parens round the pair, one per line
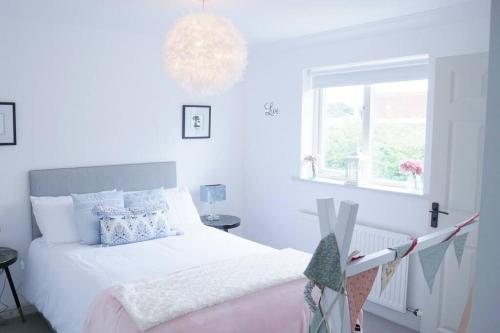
(280, 309)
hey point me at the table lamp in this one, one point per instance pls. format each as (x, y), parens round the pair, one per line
(212, 194)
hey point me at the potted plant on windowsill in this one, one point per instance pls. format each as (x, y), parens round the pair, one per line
(412, 169)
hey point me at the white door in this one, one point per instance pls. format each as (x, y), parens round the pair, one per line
(456, 166)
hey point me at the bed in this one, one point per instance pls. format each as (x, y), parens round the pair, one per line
(72, 284)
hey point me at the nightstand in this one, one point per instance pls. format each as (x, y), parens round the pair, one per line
(225, 222)
(7, 258)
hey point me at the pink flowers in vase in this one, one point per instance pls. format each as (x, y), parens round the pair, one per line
(411, 167)
(414, 169)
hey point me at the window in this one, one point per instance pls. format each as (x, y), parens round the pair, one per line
(375, 117)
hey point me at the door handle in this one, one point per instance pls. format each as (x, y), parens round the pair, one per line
(435, 214)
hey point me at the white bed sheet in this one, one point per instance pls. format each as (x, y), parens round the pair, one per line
(62, 280)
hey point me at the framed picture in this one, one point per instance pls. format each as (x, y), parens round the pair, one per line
(196, 121)
(7, 124)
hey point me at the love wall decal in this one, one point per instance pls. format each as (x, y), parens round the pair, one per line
(270, 109)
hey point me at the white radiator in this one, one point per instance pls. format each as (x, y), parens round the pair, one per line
(368, 240)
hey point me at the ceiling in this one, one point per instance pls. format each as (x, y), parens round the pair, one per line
(259, 20)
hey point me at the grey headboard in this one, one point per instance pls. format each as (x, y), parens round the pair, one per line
(127, 177)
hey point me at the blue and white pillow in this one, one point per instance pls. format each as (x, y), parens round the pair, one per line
(106, 211)
(86, 222)
(156, 197)
(124, 226)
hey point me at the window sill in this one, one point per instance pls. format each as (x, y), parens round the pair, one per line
(367, 187)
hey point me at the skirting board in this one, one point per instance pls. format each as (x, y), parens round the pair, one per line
(407, 319)
(12, 313)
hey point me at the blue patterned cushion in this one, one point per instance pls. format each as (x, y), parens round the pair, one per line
(133, 225)
(87, 223)
(154, 197)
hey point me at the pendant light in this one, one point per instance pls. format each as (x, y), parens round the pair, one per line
(205, 53)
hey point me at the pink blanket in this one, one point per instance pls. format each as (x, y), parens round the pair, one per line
(279, 309)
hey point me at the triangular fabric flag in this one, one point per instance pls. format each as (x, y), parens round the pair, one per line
(459, 245)
(431, 259)
(324, 268)
(389, 269)
(402, 249)
(358, 288)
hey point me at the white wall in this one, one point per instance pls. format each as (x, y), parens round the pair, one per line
(94, 97)
(90, 97)
(272, 198)
(487, 294)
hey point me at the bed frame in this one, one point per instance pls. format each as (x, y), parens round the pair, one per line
(133, 177)
(127, 177)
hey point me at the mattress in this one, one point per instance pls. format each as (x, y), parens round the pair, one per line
(63, 280)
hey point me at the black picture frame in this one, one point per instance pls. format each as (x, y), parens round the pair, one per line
(14, 132)
(203, 108)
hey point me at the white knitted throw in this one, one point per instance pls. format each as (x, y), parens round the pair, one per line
(153, 302)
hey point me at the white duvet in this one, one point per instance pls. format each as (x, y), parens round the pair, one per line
(62, 280)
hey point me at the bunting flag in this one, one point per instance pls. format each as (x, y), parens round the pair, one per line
(358, 288)
(431, 259)
(389, 269)
(459, 245)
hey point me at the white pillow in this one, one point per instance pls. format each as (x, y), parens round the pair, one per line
(55, 219)
(182, 211)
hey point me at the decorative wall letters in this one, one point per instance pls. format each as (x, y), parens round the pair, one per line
(270, 109)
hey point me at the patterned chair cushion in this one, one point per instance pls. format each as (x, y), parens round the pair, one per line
(123, 226)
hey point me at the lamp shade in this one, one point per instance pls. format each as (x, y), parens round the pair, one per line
(205, 53)
(212, 193)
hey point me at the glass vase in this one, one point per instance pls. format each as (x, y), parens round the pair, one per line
(412, 182)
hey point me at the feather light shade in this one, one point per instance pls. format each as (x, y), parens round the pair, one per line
(205, 53)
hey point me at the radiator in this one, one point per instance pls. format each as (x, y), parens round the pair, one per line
(368, 240)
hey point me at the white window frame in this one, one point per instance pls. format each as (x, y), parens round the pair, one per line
(316, 101)
(317, 142)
